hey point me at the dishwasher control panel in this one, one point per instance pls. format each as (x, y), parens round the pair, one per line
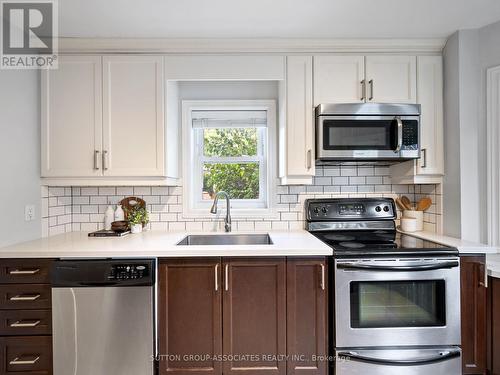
(128, 271)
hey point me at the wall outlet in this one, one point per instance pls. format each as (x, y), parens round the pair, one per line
(29, 212)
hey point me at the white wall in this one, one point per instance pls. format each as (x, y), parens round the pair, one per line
(467, 55)
(19, 154)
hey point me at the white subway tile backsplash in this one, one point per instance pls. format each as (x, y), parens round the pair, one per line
(82, 208)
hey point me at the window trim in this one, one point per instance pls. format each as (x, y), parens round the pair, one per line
(200, 209)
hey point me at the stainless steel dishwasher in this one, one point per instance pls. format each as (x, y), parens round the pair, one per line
(103, 317)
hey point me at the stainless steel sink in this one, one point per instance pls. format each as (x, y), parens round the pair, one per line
(226, 239)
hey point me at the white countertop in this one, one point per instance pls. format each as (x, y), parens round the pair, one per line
(154, 244)
(463, 246)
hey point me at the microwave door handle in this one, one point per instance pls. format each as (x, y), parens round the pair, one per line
(442, 355)
(399, 131)
(416, 267)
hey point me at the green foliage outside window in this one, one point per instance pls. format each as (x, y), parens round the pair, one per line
(240, 179)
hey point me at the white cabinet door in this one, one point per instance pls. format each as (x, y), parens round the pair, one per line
(430, 96)
(391, 79)
(296, 122)
(71, 106)
(339, 79)
(133, 136)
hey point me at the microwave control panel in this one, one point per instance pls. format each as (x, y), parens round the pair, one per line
(410, 135)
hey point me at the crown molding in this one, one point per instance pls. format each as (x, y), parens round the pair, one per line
(244, 46)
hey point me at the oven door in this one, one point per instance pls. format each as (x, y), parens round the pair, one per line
(389, 302)
(367, 137)
(444, 360)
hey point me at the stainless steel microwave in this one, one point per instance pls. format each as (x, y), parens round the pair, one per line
(367, 132)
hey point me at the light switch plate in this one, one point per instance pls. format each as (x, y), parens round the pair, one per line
(29, 212)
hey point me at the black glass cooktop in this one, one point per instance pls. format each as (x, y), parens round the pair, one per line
(380, 243)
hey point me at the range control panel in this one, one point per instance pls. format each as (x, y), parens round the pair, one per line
(128, 271)
(341, 209)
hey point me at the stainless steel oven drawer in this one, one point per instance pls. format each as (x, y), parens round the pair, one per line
(443, 360)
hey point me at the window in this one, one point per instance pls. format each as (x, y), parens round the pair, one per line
(227, 148)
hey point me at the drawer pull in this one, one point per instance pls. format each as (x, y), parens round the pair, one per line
(20, 297)
(20, 361)
(24, 272)
(25, 324)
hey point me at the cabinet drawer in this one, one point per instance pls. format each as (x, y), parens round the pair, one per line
(25, 322)
(25, 296)
(26, 355)
(25, 271)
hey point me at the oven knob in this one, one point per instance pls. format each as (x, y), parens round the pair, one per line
(324, 210)
(386, 208)
(316, 210)
(378, 209)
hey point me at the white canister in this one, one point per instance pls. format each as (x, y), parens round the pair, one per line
(409, 224)
(417, 215)
(109, 217)
(119, 213)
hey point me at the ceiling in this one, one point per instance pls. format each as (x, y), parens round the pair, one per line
(273, 18)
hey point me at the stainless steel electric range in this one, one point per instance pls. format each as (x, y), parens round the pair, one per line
(395, 299)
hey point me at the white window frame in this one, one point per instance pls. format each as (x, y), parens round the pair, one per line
(193, 205)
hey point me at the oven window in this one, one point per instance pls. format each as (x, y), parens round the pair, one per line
(379, 304)
(358, 134)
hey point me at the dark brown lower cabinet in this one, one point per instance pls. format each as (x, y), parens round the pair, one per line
(247, 314)
(190, 316)
(26, 355)
(473, 314)
(306, 316)
(494, 326)
(254, 329)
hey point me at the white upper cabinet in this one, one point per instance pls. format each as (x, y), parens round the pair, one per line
(391, 79)
(339, 79)
(430, 167)
(296, 122)
(430, 96)
(72, 118)
(133, 118)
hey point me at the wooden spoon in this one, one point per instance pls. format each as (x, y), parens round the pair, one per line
(424, 204)
(400, 204)
(406, 202)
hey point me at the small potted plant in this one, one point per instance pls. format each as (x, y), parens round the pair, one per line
(137, 217)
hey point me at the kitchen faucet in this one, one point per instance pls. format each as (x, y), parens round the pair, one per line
(213, 210)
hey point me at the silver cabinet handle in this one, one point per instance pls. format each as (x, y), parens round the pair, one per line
(424, 158)
(20, 361)
(216, 272)
(21, 324)
(400, 134)
(322, 276)
(105, 160)
(24, 272)
(309, 159)
(96, 160)
(20, 297)
(363, 90)
(371, 89)
(226, 277)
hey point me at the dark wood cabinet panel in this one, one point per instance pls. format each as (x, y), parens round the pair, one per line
(25, 322)
(26, 355)
(494, 326)
(473, 314)
(254, 309)
(25, 296)
(306, 316)
(190, 316)
(25, 271)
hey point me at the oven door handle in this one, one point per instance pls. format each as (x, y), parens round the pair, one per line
(399, 132)
(441, 356)
(416, 267)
